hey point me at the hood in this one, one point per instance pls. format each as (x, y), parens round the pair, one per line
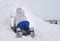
(20, 11)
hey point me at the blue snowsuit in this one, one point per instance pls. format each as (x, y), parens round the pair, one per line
(23, 25)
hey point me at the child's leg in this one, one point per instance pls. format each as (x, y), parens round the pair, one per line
(26, 25)
(20, 25)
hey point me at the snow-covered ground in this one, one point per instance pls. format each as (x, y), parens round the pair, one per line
(43, 30)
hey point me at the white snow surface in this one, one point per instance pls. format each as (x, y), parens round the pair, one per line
(43, 30)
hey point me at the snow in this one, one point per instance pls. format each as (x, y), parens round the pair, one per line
(43, 30)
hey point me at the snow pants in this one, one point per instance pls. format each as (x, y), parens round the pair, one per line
(23, 25)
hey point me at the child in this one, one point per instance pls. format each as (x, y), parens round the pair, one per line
(21, 20)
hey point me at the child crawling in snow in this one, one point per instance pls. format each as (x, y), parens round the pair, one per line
(20, 20)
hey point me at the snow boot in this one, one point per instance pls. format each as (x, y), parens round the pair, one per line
(19, 33)
(32, 33)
